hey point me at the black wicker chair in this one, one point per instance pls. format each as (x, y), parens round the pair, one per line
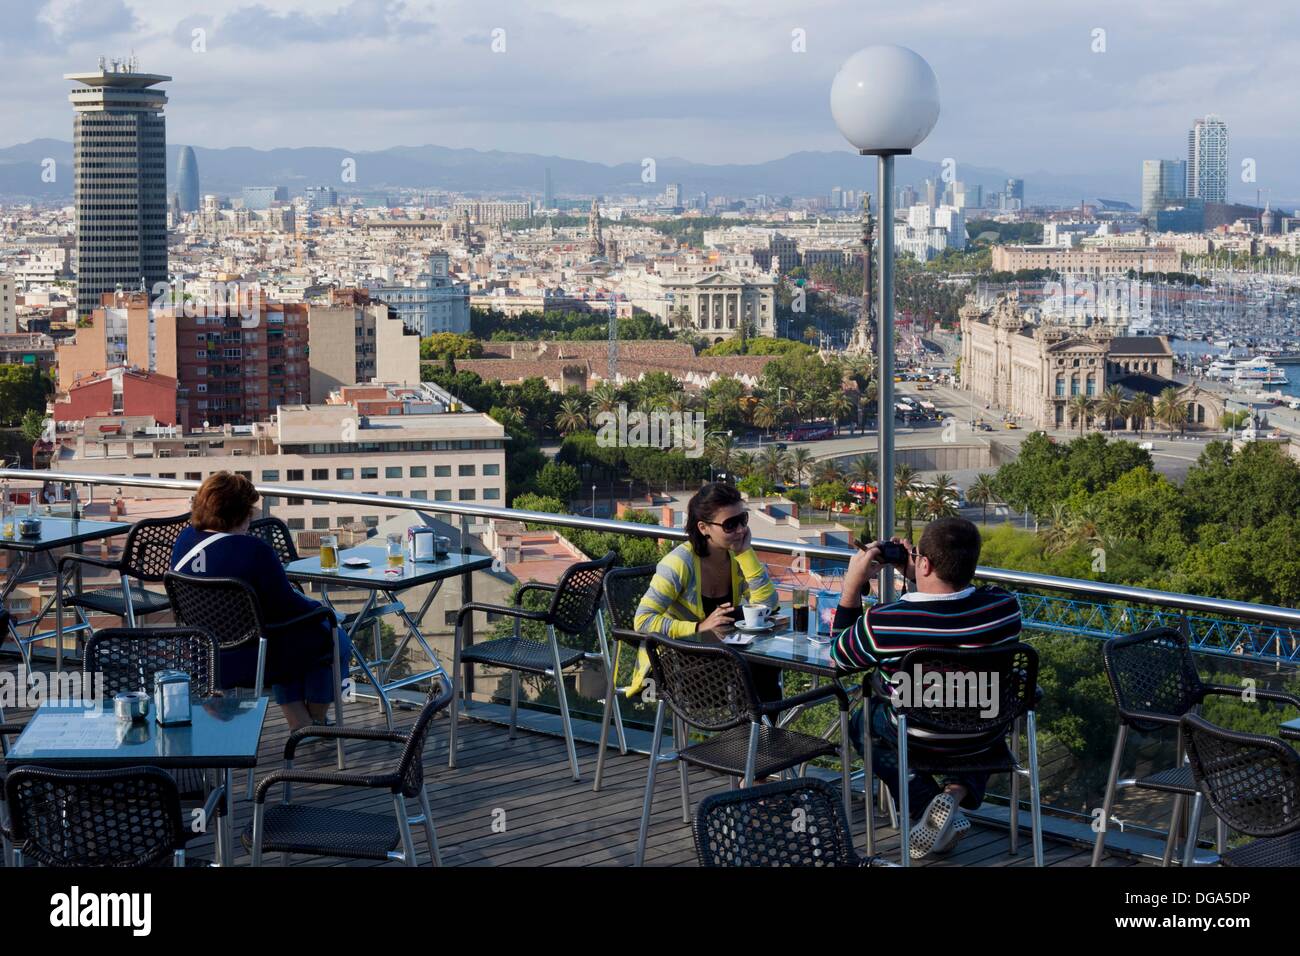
(985, 749)
(326, 831)
(1252, 784)
(229, 610)
(105, 818)
(277, 534)
(127, 659)
(1155, 684)
(793, 823)
(622, 592)
(574, 601)
(708, 688)
(146, 556)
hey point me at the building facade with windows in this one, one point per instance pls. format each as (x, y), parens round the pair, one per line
(411, 453)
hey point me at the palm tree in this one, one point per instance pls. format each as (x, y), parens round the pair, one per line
(906, 482)
(826, 472)
(571, 417)
(840, 407)
(721, 449)
(1079, 407)
(1139, 409)
(800, 464)
(790, 408)
(1169, 411)
(1057, 535)
(1110, 405)
(766, 415)
(742, 463)
(771, 463)
(680, 402)
(864, 470)
(940, 501)
(982, 492)
(604, 397)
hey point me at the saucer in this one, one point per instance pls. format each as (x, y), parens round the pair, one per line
(763, 629)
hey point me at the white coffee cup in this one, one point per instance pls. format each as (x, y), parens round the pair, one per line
(756, 615)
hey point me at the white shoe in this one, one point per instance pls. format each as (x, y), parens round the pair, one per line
(935, 829)
(961, 828)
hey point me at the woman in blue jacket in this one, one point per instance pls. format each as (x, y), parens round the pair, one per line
(217, 544)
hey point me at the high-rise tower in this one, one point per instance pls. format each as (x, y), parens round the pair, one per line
(120, 180)
(187, 180)
(1207, 159)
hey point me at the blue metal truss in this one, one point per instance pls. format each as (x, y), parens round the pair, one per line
(1210, 635)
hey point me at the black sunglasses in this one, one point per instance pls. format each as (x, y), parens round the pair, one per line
(731, 524)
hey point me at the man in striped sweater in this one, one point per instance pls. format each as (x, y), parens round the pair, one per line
(941, 607)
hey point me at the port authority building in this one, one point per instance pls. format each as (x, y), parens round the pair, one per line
(1018, 362)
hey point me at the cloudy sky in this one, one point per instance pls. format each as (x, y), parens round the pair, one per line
(1027, 85)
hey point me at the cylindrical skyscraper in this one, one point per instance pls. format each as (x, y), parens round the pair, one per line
(120, 181)
(187, 180)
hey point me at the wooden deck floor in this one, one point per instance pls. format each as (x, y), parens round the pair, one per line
(513, 803)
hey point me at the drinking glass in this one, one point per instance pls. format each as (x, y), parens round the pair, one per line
(799, 611)
(396, 556)
(329, 553)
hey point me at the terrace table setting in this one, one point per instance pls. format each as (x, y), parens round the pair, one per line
(367, 568)
(33, 561)
(223, 734)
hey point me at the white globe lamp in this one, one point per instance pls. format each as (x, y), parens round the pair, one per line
(885, 100)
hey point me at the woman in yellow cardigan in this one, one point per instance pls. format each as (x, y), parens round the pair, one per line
(701, 585)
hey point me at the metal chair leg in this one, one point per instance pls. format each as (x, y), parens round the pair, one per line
(751, 754)
(1108, 802)
(1220, 836)
(1193, 830)
(1171, 840)
(1035, 791)
(846, 768)
(1013, 816)
(868, 781)
(514, 703)
(259, 829)
(679, 742)
(338, 697)
(564, 706)
(604, 728)
(404, 825)
(904, 811)
(430, 833)
(611, 667)
(650, 784)
(458, 688)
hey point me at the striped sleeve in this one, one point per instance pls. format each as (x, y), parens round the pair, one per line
(757, 581)
(654, 612)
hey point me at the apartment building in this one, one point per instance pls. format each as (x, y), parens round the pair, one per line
(1086, 261)
(356, 340)
(409, 451)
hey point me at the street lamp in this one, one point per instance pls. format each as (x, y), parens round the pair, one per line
(593, 501)
(885, 100)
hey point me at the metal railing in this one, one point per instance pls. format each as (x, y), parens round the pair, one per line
(1287, 617)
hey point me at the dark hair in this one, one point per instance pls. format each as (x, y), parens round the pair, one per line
(223, 502)
(704, 504)
(953, 547)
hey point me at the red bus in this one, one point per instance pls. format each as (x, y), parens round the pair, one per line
(813, 432)
(863, 491)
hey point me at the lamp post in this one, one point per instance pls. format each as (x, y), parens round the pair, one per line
(885, 100)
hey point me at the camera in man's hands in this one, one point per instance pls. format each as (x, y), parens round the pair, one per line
(891, 552)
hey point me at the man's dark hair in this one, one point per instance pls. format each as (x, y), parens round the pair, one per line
(953, 547)
(704, 504)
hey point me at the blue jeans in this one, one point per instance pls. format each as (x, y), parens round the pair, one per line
(921, 787)
(316, 686)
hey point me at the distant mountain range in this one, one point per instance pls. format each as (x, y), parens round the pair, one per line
(226, 171)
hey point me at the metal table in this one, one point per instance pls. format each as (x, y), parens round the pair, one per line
(379, 580)
(223, 734)
(31, 552)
